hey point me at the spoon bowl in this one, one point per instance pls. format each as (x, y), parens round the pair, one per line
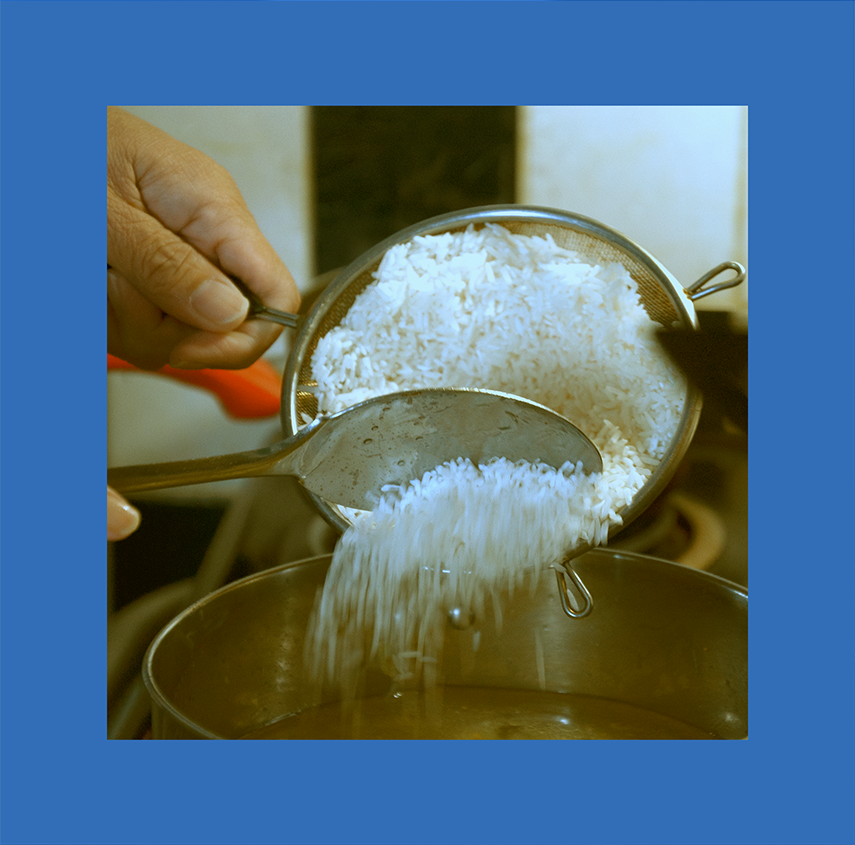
(349, 456)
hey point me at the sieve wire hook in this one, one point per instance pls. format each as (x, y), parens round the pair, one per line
(697, 290)
(581, 590)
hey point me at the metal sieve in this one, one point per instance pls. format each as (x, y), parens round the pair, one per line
(664, 299)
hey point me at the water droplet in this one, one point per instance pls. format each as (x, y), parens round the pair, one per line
(460, 618)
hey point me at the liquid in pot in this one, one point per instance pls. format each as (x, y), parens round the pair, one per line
(476, 713)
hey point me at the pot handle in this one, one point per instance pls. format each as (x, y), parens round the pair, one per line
(698, 291)
(252, 393)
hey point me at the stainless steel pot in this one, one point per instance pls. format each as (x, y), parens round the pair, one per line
(663, 654)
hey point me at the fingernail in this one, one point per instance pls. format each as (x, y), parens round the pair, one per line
(122, 517)
(218, 303)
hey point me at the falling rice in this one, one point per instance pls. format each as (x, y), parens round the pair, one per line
(488, 309)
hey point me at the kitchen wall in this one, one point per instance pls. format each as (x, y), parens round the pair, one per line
(672, 178)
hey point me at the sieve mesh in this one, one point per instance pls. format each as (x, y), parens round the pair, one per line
(663, 299)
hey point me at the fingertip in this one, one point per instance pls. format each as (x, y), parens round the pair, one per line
(122, 517)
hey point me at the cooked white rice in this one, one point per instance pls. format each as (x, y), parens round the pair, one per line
(485, 308)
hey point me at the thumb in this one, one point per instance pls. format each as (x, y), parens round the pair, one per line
(170, 273)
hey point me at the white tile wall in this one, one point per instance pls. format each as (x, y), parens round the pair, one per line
(671, 178)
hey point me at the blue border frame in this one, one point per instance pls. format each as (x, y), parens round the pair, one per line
(790, 62)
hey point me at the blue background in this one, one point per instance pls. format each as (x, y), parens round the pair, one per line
(791, 63)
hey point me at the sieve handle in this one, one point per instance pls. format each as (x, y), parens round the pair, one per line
(260, 311)
(698, 291)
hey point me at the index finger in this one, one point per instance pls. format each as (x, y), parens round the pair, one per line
(236, 244)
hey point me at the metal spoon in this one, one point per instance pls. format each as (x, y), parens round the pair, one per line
(349, 456)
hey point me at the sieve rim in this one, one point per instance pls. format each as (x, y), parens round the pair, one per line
(501, 214)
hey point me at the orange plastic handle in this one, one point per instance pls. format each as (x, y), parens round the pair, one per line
(250, 393)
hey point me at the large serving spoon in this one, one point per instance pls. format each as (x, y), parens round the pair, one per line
(349, 456)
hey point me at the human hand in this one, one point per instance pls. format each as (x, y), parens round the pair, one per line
(176, 225)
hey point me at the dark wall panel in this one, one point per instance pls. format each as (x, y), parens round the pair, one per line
(379, 169)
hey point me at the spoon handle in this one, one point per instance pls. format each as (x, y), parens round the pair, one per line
(282, 458)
